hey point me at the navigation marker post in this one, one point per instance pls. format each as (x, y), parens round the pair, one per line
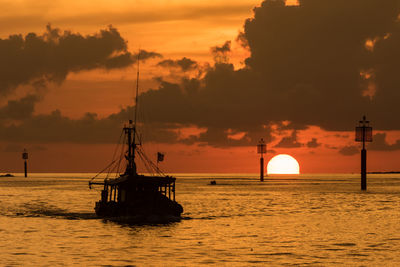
(25, 158)
(262, 149)
(363, 134)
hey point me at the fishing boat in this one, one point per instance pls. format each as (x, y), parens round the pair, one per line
(133, 197)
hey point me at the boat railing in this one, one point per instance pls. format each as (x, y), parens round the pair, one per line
(113, 192)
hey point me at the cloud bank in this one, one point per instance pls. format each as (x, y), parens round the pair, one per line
(184, 64)
(322, 63)
(50, 57)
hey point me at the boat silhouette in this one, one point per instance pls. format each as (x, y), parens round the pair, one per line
(133, 197)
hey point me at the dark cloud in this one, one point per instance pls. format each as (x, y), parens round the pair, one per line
(310, 57)
(226, 47)
(305, 67)
(221, 137)
(89, 129)
(38, 59)
(208, 104)
(220, 53)
(379, 143)
(349, 150)
(185, 64)
(313, 64)
(331, 146)
(144, 55)
(54, 54)
(313, 143)
(241, 39)
(55, 127)
(289, 141)
(19, 109)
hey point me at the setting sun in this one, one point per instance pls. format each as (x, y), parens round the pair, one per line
(283, 164)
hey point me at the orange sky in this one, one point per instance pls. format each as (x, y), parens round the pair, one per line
(174, 29)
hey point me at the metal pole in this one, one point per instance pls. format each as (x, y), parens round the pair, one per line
(363, 169)
(261, 149)
(363, 134)
(26, 168)
(262, 169)
(363, 161)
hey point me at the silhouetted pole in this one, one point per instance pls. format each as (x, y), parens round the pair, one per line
(261, 149)
(363, 134)
(25, 158)
(363, 169)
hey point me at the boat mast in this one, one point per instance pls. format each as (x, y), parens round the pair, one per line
(131, 130)
(137, 91)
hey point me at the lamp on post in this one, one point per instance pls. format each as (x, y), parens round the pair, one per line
(363, 134)
(262, 149)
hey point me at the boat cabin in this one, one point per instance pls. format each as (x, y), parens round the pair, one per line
(126, 189)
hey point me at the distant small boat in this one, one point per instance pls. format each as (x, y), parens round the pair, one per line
(6, 175)
(213, 182)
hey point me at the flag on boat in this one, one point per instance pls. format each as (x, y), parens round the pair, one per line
(160, 157)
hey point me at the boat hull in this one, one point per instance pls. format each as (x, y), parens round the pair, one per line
(164, 210)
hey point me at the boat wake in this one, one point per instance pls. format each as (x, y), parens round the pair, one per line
(43, 210)
(47, 211)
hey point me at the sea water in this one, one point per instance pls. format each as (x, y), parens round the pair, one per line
(48, 220)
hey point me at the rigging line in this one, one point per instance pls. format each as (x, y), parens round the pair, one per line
(155, 168)
(148, 165)
(109, 165)
(142, 158)
(113, 170)
(146, 162)
(115, 151)
(148, 168)
(102, 171)
(119, 140)
(151, 163)
(158, 170)
(121, 154)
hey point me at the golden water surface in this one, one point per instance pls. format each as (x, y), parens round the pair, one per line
(48, 219)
